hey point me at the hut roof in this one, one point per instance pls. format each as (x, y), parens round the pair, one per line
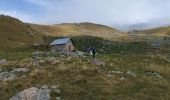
(60, 41)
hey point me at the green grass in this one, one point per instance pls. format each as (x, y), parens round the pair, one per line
(14, 33)
(91, 82)
(79, 79)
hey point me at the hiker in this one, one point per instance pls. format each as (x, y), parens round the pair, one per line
(94, 52)
(90, 51)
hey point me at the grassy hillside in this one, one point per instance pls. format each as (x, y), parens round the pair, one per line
(14, 33)
(133, 70)
(162, 31)
(73, 29)
(78, 79)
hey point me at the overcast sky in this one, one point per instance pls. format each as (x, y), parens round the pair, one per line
(109, 12)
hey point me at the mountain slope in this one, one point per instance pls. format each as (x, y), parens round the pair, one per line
(73, 29)
(14, 33)
(162, 31)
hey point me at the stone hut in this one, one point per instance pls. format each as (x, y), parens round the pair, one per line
(63, 44)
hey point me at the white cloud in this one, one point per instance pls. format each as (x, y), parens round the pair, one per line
(16, 14)
(104, 11)
(39, 2)
(109, 12)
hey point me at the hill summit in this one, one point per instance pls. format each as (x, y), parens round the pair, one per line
(74, 29)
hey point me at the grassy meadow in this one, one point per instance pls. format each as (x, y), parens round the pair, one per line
(81, 80)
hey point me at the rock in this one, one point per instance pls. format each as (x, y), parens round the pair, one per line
(153, 74)
(37, 54)
(115, 72)
(68, 58)
(28, 94)
(110, 75)
(131, 73)
(3, 61)
(58, 98)
(7, 76)
(79, 53)
(58, 61)
(52, 60)
(62, 56)
(58, 91)
(44, 93)
(97, 62)
(33, 94)
(24, 70)
(123, 79)
(54, 86)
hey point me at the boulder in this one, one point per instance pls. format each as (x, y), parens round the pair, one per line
(97, 62)
(37, 54)
(115, 72)
(54, 86)
(33, 94)
(58, 98)
(131, 73)
(7, 76)
(28, 94)
(44, 93)
(123, 79)
(3, 61)
(152, 74)
(52, 60)
(24, 70)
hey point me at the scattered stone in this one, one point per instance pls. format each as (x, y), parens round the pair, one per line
(28, 94)
(73, 54)
(44, 93)
(97, 62)
(37, 53)
(54, 86)
(62, 56)
(57, 91)
(131, 73)
(24, 70)
(110, 75)
(115, 72)
(123, 79)
(153, 74)
(52, 60)
(7, 76)
(58, 98)
(68, 58)
(33, 94)
(3, 61)
(80, 53)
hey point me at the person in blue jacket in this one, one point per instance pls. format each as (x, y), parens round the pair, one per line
(94, 52)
